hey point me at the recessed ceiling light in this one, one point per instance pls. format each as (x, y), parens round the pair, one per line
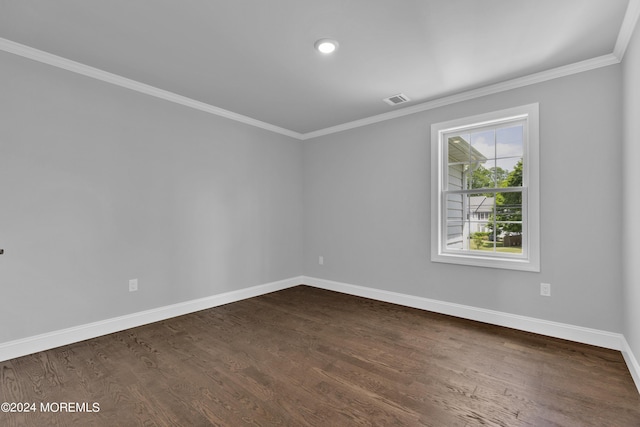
(326, 46)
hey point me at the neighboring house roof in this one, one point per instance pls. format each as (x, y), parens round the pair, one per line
(480, 204)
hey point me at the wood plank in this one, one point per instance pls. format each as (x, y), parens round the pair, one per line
(310, 357)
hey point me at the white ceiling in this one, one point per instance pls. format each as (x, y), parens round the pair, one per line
(255, 58)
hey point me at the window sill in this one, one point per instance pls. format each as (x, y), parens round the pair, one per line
(520, 264)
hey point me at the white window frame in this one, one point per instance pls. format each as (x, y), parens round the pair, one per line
(529, 260)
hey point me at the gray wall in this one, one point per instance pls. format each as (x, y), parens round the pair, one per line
(631, 226)
(367, 207)
(100, 184)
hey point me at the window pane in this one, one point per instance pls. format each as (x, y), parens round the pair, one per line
(483, 176)
(465, 163)
(509, 141)
(480, 212)
(509, 222)
(456, 176)
(458, 150)
(455, 235)
(510, 242)
(483, 149)
(455, 225)
(501, 171)
(509, 208)
(510, 170)
(509, 153)
(480, 240)
(480, 206)
(484, 142)
(455, 207)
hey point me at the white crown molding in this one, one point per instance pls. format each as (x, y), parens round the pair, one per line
(105, 76)
(567, 70)
(42, 342)
(543, 76)
(626, 30)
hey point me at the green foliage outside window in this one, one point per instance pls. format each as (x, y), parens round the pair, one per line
(508, 205)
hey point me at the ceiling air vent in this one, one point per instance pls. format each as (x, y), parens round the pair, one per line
(397, 99)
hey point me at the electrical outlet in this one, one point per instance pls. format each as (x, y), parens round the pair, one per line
(321, 260)
(133, 285)
(545, 289)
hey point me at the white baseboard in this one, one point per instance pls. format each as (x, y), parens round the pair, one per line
(530, 324)
(29, 345)
(565, 331)
(632, 363)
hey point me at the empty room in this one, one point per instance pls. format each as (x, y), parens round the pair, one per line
(296, 213)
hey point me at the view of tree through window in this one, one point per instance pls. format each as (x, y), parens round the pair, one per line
(484, 186)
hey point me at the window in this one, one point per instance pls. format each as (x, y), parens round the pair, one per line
(485, 190)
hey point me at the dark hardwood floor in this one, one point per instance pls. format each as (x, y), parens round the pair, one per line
(309, 357)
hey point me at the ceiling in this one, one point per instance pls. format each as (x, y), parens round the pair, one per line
(255, 58)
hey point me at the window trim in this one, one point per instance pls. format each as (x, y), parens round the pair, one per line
(530, 260)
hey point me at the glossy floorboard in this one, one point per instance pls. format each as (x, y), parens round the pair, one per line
(309, 357)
